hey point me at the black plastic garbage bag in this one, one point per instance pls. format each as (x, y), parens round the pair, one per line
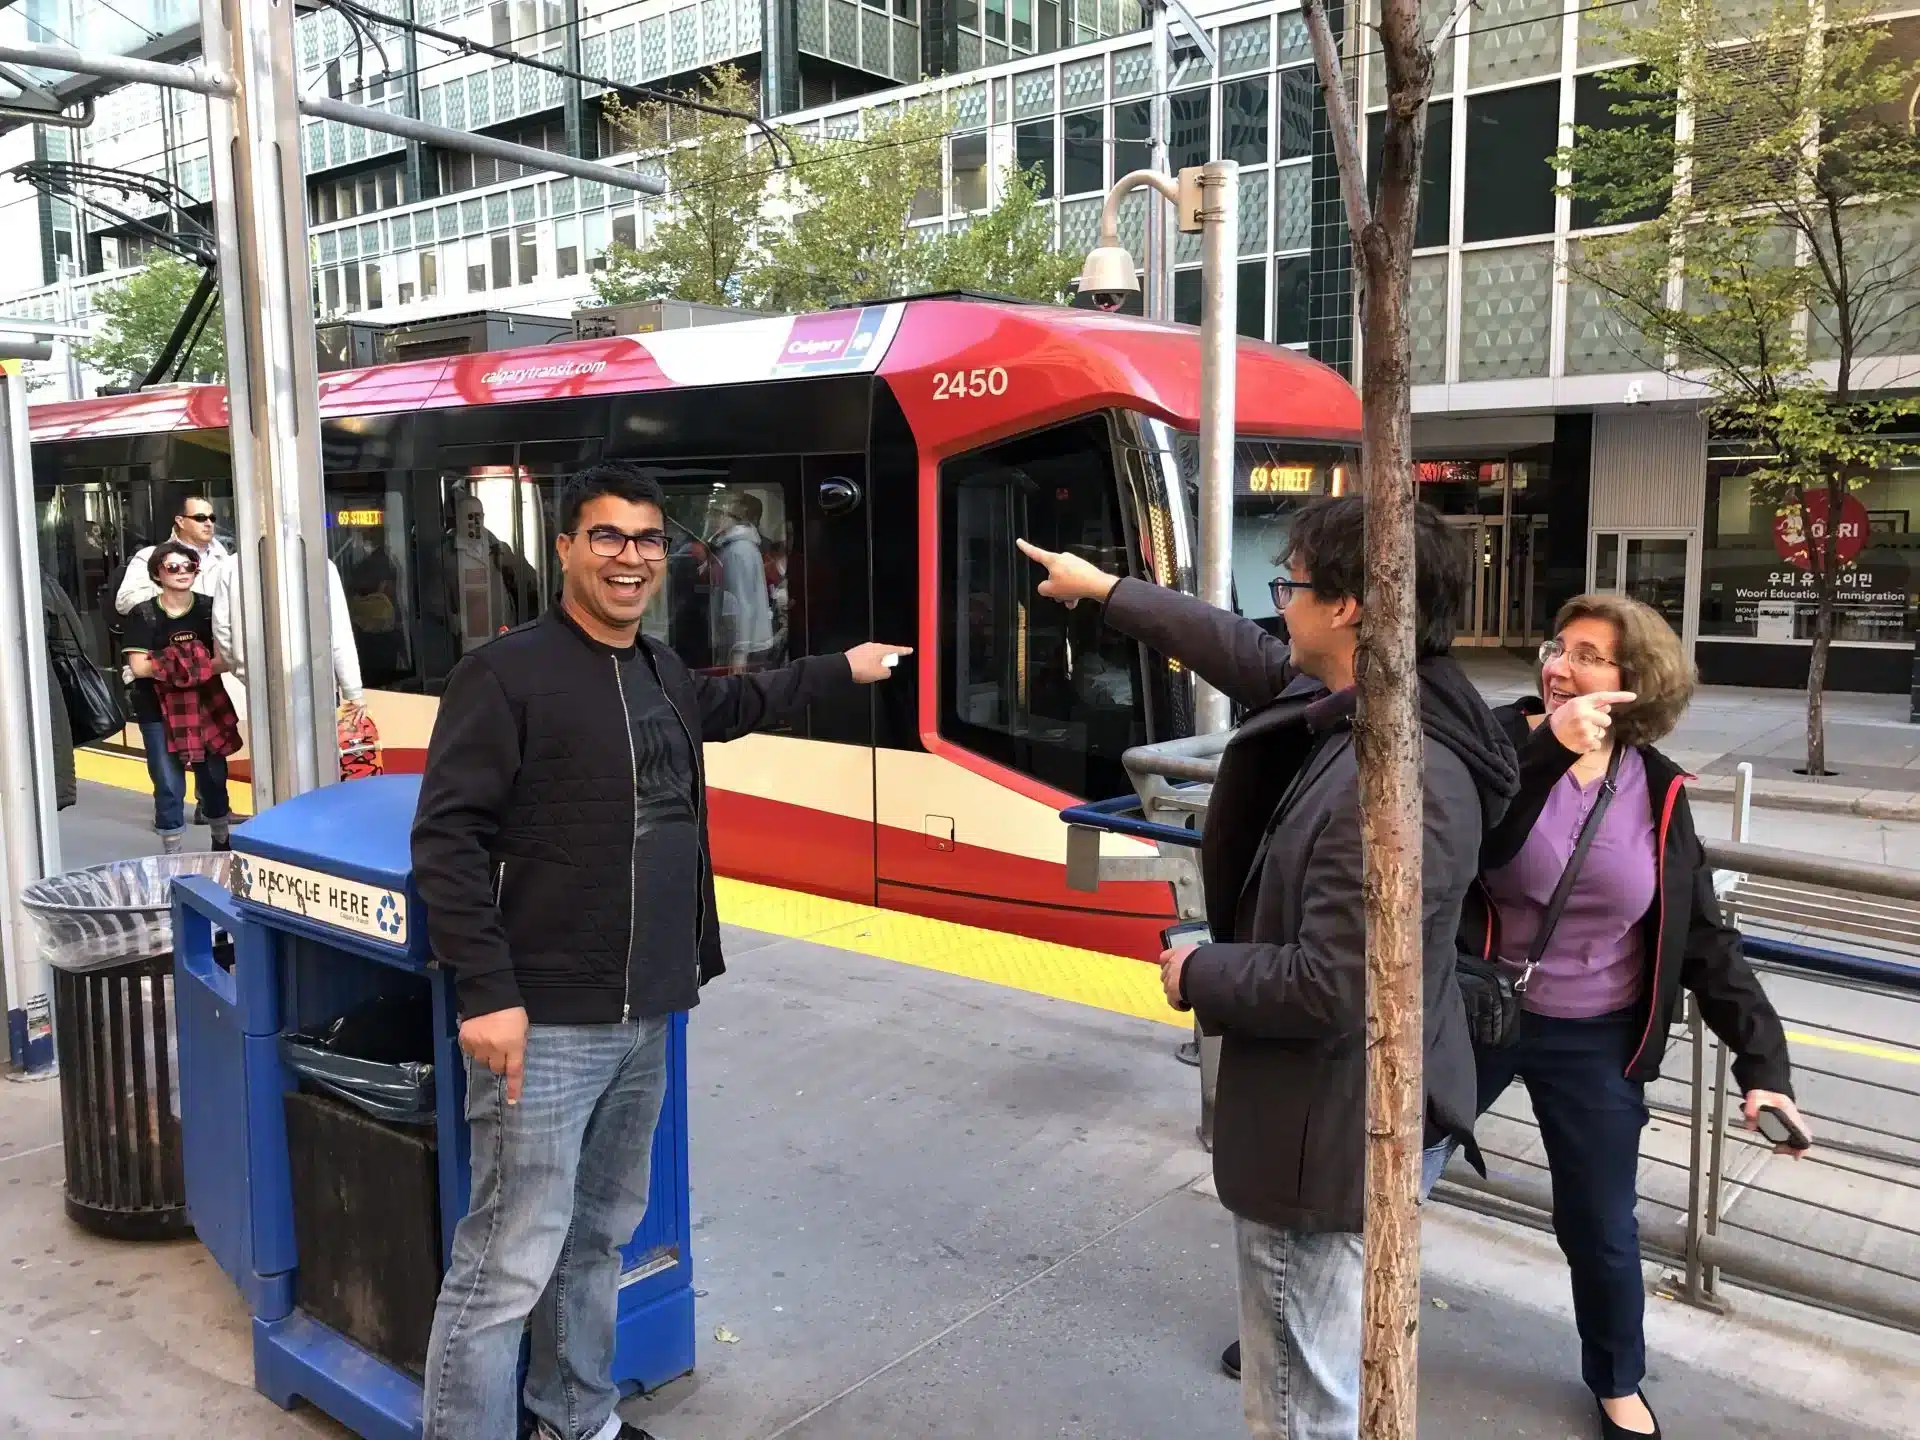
(373, 1058)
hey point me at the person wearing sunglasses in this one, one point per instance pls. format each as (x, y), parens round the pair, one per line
(192, 527)
(1597, 904)
(169, 647)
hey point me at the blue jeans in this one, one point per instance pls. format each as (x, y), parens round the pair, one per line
(559, 1185)
(169, 778)
(1590, 1118)
(1300, 1325)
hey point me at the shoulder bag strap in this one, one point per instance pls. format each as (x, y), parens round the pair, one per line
(1568, 876)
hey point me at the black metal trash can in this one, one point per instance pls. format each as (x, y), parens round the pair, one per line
(107, 932)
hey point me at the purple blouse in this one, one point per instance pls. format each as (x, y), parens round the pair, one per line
(1593, 963)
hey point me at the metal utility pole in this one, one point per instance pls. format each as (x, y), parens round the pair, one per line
(273, 401)
(29, 827)
(1219, 207)
(1158, 299)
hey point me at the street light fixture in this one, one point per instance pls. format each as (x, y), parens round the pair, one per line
(1207, 199)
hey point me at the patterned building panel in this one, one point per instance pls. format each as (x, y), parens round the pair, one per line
(317, 142)
(336, 143)
(329, 247)
(525, 204)
(843, 32)
(1187, 247)
(560, 195)
(1427, 317)
(1133, 223)
(1506, 312)
(403, 232)
(876, 53)
(1434, 15)
(746, 25)
(473, 217)
(1883, 254)
(1000, 100)
(1513, 40)
(623, 59)
(1254, 188)
(1079, 225)
(1294, 44)
(479, 99)
(447, 221)
(1033, 93)
(1292, 215)
(455, 92)
(496, 204)
(349, 244)
(969, 107)
(531, 90)
(686, 39)
(1245, 47)
(1083, 82)
(1600, 341)
(906, 52)
(356, 143)
(969, 50)
(653, 43)
(1132, 72)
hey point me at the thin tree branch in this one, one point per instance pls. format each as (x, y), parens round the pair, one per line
(1346, 140)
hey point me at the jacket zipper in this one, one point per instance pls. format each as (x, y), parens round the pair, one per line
(499, 883)
(633, 850)
(700, 832)
(1660, 931)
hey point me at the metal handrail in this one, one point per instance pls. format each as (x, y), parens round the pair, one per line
(1708, 1241)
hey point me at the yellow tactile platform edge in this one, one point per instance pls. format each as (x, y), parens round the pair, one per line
(1083, 977)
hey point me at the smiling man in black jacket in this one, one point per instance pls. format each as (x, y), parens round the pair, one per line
(561, 849)
(1285, 983)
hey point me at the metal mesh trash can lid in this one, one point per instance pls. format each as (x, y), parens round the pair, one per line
(113, 913)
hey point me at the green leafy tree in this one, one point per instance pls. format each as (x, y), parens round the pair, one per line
(1773, 249)
(1007, 250)
(702, 249)
(847, 204)
(140, 313)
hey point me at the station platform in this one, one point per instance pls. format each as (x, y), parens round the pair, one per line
(928, 1202)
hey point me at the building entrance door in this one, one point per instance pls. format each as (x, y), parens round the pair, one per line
(1650, 566)
(1487, 579)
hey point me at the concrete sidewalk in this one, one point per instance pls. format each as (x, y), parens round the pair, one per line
(926, 1207)
(1871, 743)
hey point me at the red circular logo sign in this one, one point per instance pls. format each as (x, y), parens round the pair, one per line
(1800, 531)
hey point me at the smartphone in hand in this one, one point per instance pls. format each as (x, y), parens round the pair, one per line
(1187, 932)
(1778, 1128)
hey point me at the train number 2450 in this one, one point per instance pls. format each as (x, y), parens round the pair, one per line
(969, 384)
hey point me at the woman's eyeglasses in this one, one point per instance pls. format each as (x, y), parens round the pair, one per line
(1283, 588)
(609, 543)
(178, 567)
(1581, 657)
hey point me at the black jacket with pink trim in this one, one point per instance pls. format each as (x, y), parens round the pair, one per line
(1688, 943)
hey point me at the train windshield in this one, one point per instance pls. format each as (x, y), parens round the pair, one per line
(1272, 479)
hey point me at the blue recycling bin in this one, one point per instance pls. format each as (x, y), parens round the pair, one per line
(325, 920)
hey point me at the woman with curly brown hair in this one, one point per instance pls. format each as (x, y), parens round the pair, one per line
(1600, 981)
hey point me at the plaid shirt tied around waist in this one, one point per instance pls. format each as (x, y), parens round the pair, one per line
(199, 717)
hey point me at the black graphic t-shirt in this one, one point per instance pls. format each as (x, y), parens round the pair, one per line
(664, 964)
(150, 629)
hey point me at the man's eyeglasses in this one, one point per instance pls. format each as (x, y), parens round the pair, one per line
(610, 543)
(1283, 588)
(1581, 657)
(202, 517)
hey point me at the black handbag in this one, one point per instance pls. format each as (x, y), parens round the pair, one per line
(1493, 998)
(93, 703)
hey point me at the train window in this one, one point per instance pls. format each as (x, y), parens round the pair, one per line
(1043, 689)
(368, 541)
(732, 571)
(1271, 481)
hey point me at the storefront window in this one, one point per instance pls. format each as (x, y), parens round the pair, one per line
(1758, 558)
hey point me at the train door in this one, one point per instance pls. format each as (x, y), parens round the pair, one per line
(1035, 702)
(767, 564)
(84, 547)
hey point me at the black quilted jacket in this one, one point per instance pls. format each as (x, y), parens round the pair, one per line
(523, 840)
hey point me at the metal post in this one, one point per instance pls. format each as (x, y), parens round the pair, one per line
(260, 221)
(29, 827)
(1157, 300)
(1742, 800)
(1219, 342)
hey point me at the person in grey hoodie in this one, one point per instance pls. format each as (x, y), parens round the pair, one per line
(1284, 981)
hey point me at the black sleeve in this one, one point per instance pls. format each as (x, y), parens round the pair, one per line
(136, 633)
(473, 760)
(1544, 762)
(1234, 654)
(736, 705)
(1715, 969)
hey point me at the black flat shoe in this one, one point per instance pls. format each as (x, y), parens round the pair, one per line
(1230, 1360)
(1611, 1431)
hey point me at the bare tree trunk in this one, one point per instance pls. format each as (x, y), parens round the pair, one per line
(1387, 733)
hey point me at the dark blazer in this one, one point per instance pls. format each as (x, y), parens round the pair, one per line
(1285, 984)
(1688, 943)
